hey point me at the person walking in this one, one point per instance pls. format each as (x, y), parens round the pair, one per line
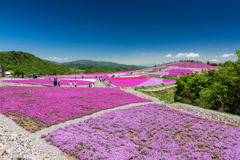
(75, 84)
(70, 84)
(58, 82)
(53, 81)
(92, 85)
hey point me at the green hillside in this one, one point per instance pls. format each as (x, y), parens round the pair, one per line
(29, 63)
(100, 66)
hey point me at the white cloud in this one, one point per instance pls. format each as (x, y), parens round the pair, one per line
(214, 60)
(187, 55)
(56, 59)
(169, 55)
(226, 55)
(181, 55)
(192, 55)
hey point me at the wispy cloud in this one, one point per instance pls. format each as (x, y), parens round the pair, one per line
(188, 55)
(226, 55)
(214, 60)
(169, 55)
(56, 59)
(181, 55)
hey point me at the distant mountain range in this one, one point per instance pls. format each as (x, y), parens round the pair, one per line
(85, 64)
(28, 63)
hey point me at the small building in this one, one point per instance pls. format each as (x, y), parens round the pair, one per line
(7, 74)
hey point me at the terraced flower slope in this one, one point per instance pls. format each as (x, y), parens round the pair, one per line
(137, 81)
(178, 72)
(148, 132)
(104, 75)
(127, 81)
(49, 81)
(35, 108)
(191, 65)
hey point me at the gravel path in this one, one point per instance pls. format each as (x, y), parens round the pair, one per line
(214, 115)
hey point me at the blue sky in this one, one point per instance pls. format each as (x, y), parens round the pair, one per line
(124, 31)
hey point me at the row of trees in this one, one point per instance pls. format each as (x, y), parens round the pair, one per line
(215, 89)
(215, 64)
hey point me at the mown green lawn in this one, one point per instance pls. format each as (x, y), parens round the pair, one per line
(167, 94)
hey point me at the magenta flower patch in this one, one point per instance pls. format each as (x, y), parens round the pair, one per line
(49, 81)
(40, 107)
(191, 65)
(149, 131)
(103, 75)
(127, 81)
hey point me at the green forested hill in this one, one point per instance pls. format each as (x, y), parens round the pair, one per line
(100, 66)
(29, 63)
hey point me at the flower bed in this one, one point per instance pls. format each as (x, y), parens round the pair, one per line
(160, 73)
(127, 81)
(149, 131)
(35, 108)
(178, 72)
(49, 81)
(104, 75)
(192, 65)
(168, 80)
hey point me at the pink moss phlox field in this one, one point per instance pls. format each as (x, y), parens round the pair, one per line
(152, 81)
(178, 72)
(148, 132)
(160, 73)
(192, 65)
(49, 81)
(104, 75)
(127, 81)
(53, 105)
(168, 80)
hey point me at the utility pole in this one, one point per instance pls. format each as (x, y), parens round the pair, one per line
(2, 71)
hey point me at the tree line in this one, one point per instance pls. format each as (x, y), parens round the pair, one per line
(214, 89)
